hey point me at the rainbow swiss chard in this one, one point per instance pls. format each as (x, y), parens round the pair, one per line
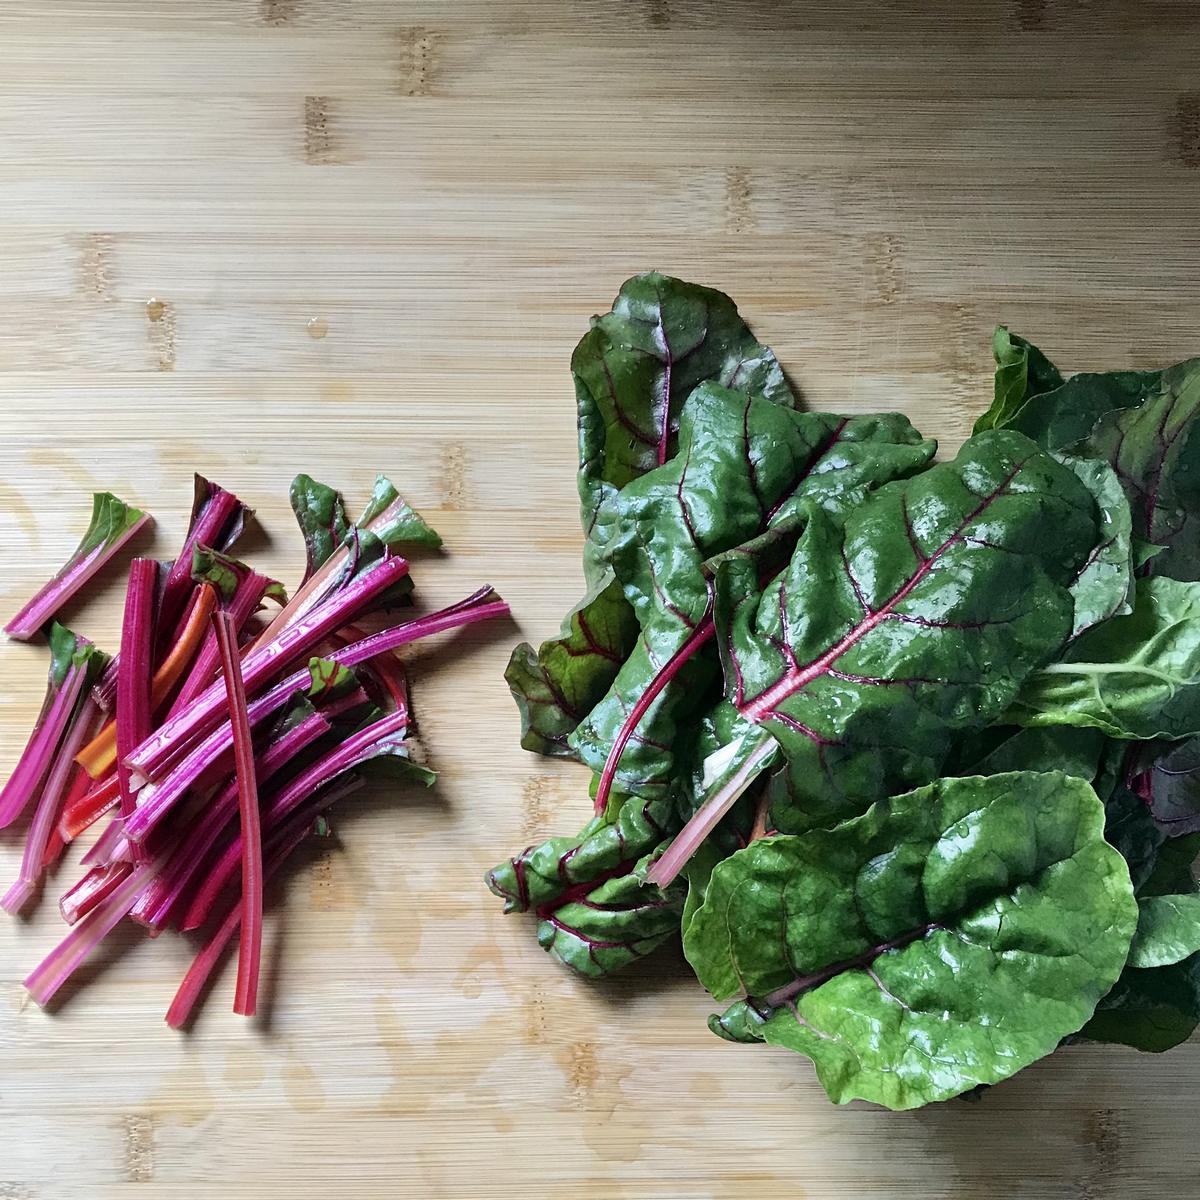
(1019, 621)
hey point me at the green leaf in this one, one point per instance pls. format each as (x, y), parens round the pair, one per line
(864, 658)
(1151, 1010)
(698, 872)
(595, 912)
(661, 340)
(618, 921)
(330, 680)
(1174, 786)
(1156, 453)
(1136, 676)
(945, 939)
(68, 650)
(1059, 419)
(389, 516)
(111, 520)
(1003, 748)
(745, 467)
(1174, 868)
(559, 683)
(610, 845)
(1168, 931)
(635, 367)
(321, 515)
(227, 574)
(1022, 372)
(1103, 586)
(1131, 830)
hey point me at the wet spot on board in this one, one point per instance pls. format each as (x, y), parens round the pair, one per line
(245, 1070)
(1187, 129)
(96, 265)
(319, 148)
(15, 507)
(706, 1086)
(418, 61)
(480, 965)
(184, 1091)
(137, 1140)
(739, 201)
(454, 476)
(301, 1086)
(160, 317)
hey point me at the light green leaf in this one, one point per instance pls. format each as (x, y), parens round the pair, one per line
(1022, 372)
(1168, 931)
(1103, 585)
(945, 939)
(1136, 676)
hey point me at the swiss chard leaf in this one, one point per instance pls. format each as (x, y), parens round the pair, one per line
(634, 369)
(394, 521)
(1155, 451)
(609, 846)
(595, 913)
(945, 939)
(1103, 585)
(1022, 372)
(865, 656)
(1152, 1010)
(113, 523)
(321, 515)
(632, 372)
(1061, 418)
(228, 574)
(1002, 748)
(1136, 676)
(1129, 826)
(1168, 931)
(556, 685)
(1174, 787)
(617, 921)
(745, 466)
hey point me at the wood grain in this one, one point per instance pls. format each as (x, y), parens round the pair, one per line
(449, 188)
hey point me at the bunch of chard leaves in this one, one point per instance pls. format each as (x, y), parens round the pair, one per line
(908, 752)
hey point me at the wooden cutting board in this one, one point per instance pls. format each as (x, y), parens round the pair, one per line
(343, 236)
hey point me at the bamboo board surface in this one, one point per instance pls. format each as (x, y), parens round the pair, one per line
(447, 189)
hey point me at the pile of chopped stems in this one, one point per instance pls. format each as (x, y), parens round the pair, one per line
(213, 744)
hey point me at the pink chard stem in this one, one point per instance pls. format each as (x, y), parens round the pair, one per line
(704, 820)
(85, 724)
(66, 958)
(260, 665)
(157, 799)
(702, 634)
(113, 523)
(250, 949)
(73, 661)
(134, 715)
